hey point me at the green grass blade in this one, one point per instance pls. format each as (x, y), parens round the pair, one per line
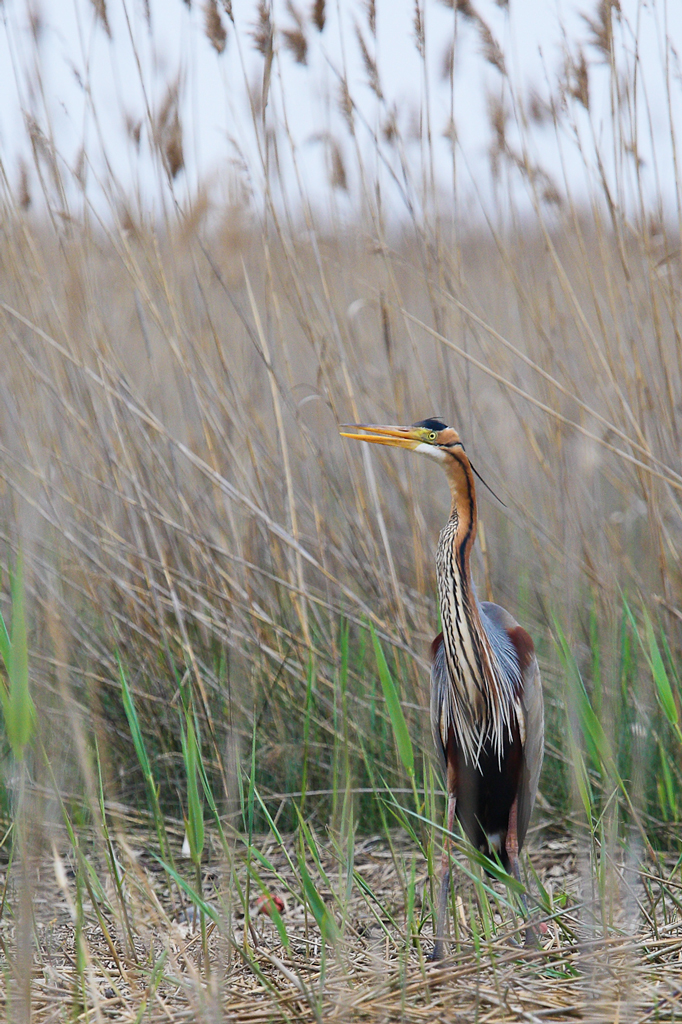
(195, 805)
(5, 645)
(272, 910)
(324, 919)
(596, 742)
(310, 842)
(471, 853)
(194, 896)
(666, 788)
(134, 724)
(18, 707)
(310, 679)
(395, 711)
(382, 914)
(582, 780)
(652, 653)
(666, 697)
(143, 759)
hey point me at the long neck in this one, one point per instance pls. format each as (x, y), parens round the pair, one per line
(472, 665)
(461, 622)
(463, 521)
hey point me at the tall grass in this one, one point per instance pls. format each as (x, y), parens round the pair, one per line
(229, 610)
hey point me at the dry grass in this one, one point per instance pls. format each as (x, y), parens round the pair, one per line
(170, 466)
(369, 974)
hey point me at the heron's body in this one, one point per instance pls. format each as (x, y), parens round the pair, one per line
(485, 790)
(486, 695)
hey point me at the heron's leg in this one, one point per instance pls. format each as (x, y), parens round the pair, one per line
(512, 847)
(437, 953)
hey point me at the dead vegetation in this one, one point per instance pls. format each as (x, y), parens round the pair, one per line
(367, 974)
(203, 558)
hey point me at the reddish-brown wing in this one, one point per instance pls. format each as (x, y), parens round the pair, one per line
(533, 709)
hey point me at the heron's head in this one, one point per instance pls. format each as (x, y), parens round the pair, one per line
(431, 437)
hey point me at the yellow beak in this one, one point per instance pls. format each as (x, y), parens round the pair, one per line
(398, 437)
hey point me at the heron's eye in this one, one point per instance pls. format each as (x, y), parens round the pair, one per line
(432, 435)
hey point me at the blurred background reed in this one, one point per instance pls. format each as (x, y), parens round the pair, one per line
(199, 557)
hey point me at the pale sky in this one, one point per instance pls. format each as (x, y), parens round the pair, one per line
(79, 85)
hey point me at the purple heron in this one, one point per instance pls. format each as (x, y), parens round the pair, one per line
(487, 711)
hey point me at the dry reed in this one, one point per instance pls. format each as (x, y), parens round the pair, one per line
(170, 466)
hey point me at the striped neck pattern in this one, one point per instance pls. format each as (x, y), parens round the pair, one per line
(483, 703)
